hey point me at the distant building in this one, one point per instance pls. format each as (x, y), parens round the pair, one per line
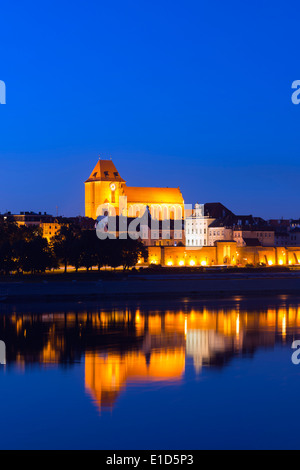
(216, 210)
(264, 235)
(282, 237)
(166, 233)
(105, 187)
(241, 229)
(294, 237)
(196, 227)
(28, 218)
(295, 223)
(219, 230)
(279, 224)
(84, 223)
(50, 226)
(151, 232)
(50, 229)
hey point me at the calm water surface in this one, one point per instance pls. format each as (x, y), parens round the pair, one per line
(151, 375)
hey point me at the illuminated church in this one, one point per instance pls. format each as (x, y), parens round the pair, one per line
(107, 190)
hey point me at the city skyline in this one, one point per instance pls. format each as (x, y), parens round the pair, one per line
(178, 96)
(58, 209)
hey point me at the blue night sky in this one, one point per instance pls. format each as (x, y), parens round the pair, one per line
(195, 94)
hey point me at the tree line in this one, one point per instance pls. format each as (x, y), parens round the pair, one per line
(24, 250)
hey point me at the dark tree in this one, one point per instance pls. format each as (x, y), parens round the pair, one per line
(65, 246)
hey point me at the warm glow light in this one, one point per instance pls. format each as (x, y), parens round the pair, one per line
(203, 263)
(153, 261)
(284, 327)
(192, 262)
(237, 326)
(169, 263)
(270, 263)
(280, 262)
(181, 263)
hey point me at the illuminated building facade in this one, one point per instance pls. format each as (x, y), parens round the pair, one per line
(244, 230)
(27, 219)
(196, 227)
(50, 229)
(153, 232)
(106, 188)
(224, 252)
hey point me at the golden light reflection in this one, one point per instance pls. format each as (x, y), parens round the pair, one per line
(284, 327)
(106, 376)
(133, 345)
(237, 326)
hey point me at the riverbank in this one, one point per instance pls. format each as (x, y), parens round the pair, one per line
(208, 285)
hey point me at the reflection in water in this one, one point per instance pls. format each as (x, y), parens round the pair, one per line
(139, 345)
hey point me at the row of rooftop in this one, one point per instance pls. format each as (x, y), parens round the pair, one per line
(207, 224)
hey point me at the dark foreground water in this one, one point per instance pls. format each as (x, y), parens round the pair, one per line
(151, 375)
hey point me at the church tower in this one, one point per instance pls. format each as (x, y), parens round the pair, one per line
(104, 186)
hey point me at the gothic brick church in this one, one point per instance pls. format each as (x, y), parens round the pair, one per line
(107, 190)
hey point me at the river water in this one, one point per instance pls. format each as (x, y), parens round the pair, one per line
(188, 374)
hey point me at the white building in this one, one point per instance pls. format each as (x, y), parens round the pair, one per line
(196, 227)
